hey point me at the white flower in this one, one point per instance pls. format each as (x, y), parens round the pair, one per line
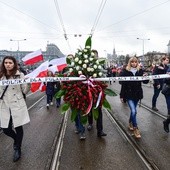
(97, 62)
(92, 69)
(84, 65)
(72, 63)
(80, 62)
(85, 50)
(76, 59)
(88, 69)
(79, 72)
(99, 67)
(94, 75)
(88, 47)
(70, 56)
(85, 56)
(70, 70)
(86, 61)
(80, 53)
(77, 68)
(95, 66)
(92, 54)
(100, 73)
(91, 59)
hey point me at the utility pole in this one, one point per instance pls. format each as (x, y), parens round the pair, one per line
(143, 48)
(18, 46)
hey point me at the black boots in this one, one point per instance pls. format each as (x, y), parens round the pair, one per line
(17, 153)
(100, 134)
(166, 125)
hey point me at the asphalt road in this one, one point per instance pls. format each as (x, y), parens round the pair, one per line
(38, 139)
(111, 152)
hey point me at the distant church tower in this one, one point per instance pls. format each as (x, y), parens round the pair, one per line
(114, 56)
(168, 47)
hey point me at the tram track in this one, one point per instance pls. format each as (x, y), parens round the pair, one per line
(58, 141)
(53, 164)
(149, 163)
(58, 145)
(140, 152)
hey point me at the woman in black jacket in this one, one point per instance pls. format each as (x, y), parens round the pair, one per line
(133, 92)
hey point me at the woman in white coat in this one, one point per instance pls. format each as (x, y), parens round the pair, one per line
(13, 109)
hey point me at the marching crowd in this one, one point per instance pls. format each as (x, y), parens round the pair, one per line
(14, 112)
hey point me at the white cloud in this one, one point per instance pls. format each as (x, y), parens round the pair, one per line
(120, 24)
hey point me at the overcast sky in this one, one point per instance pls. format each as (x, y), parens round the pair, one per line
(120, 24)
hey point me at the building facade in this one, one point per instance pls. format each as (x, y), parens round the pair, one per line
(52, 51)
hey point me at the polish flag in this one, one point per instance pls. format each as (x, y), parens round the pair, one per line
(40, 71)
(33, 57)
(57, 65)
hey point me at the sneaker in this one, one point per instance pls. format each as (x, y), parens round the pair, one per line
(131, 126)
(155, 109)
(82, 136)
(137, 132)
(89, 127)
(51, 103)
(77, 131)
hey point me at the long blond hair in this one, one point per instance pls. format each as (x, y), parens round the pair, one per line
(128, 67)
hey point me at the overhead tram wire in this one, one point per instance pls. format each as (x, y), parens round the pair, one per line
(62, 23)
(100, 10)
(144, 11)
(30, 16)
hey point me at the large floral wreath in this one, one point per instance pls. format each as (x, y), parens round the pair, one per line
(84, 96)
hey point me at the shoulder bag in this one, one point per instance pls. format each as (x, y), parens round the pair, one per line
(3, 92)
(165, 89)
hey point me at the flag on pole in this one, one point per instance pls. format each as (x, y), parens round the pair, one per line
(33, 57)
(57, 65)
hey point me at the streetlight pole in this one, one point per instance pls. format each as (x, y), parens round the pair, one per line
(143, 47)
(18, 45)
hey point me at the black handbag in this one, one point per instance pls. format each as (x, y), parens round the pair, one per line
(165, 89)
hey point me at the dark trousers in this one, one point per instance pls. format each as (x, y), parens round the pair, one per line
(99, 122)
(167, 97)
(16, 135)
(49, 98)
(58, 101)
(155, 96)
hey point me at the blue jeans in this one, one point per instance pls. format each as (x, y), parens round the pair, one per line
(78, 124)
(132, 105)
(155, 96)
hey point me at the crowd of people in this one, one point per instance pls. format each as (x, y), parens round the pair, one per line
(14, 113)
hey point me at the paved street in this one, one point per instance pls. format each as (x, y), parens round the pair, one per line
(110, 152)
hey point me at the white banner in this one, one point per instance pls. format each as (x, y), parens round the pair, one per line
(54, 79)
(40, 79)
